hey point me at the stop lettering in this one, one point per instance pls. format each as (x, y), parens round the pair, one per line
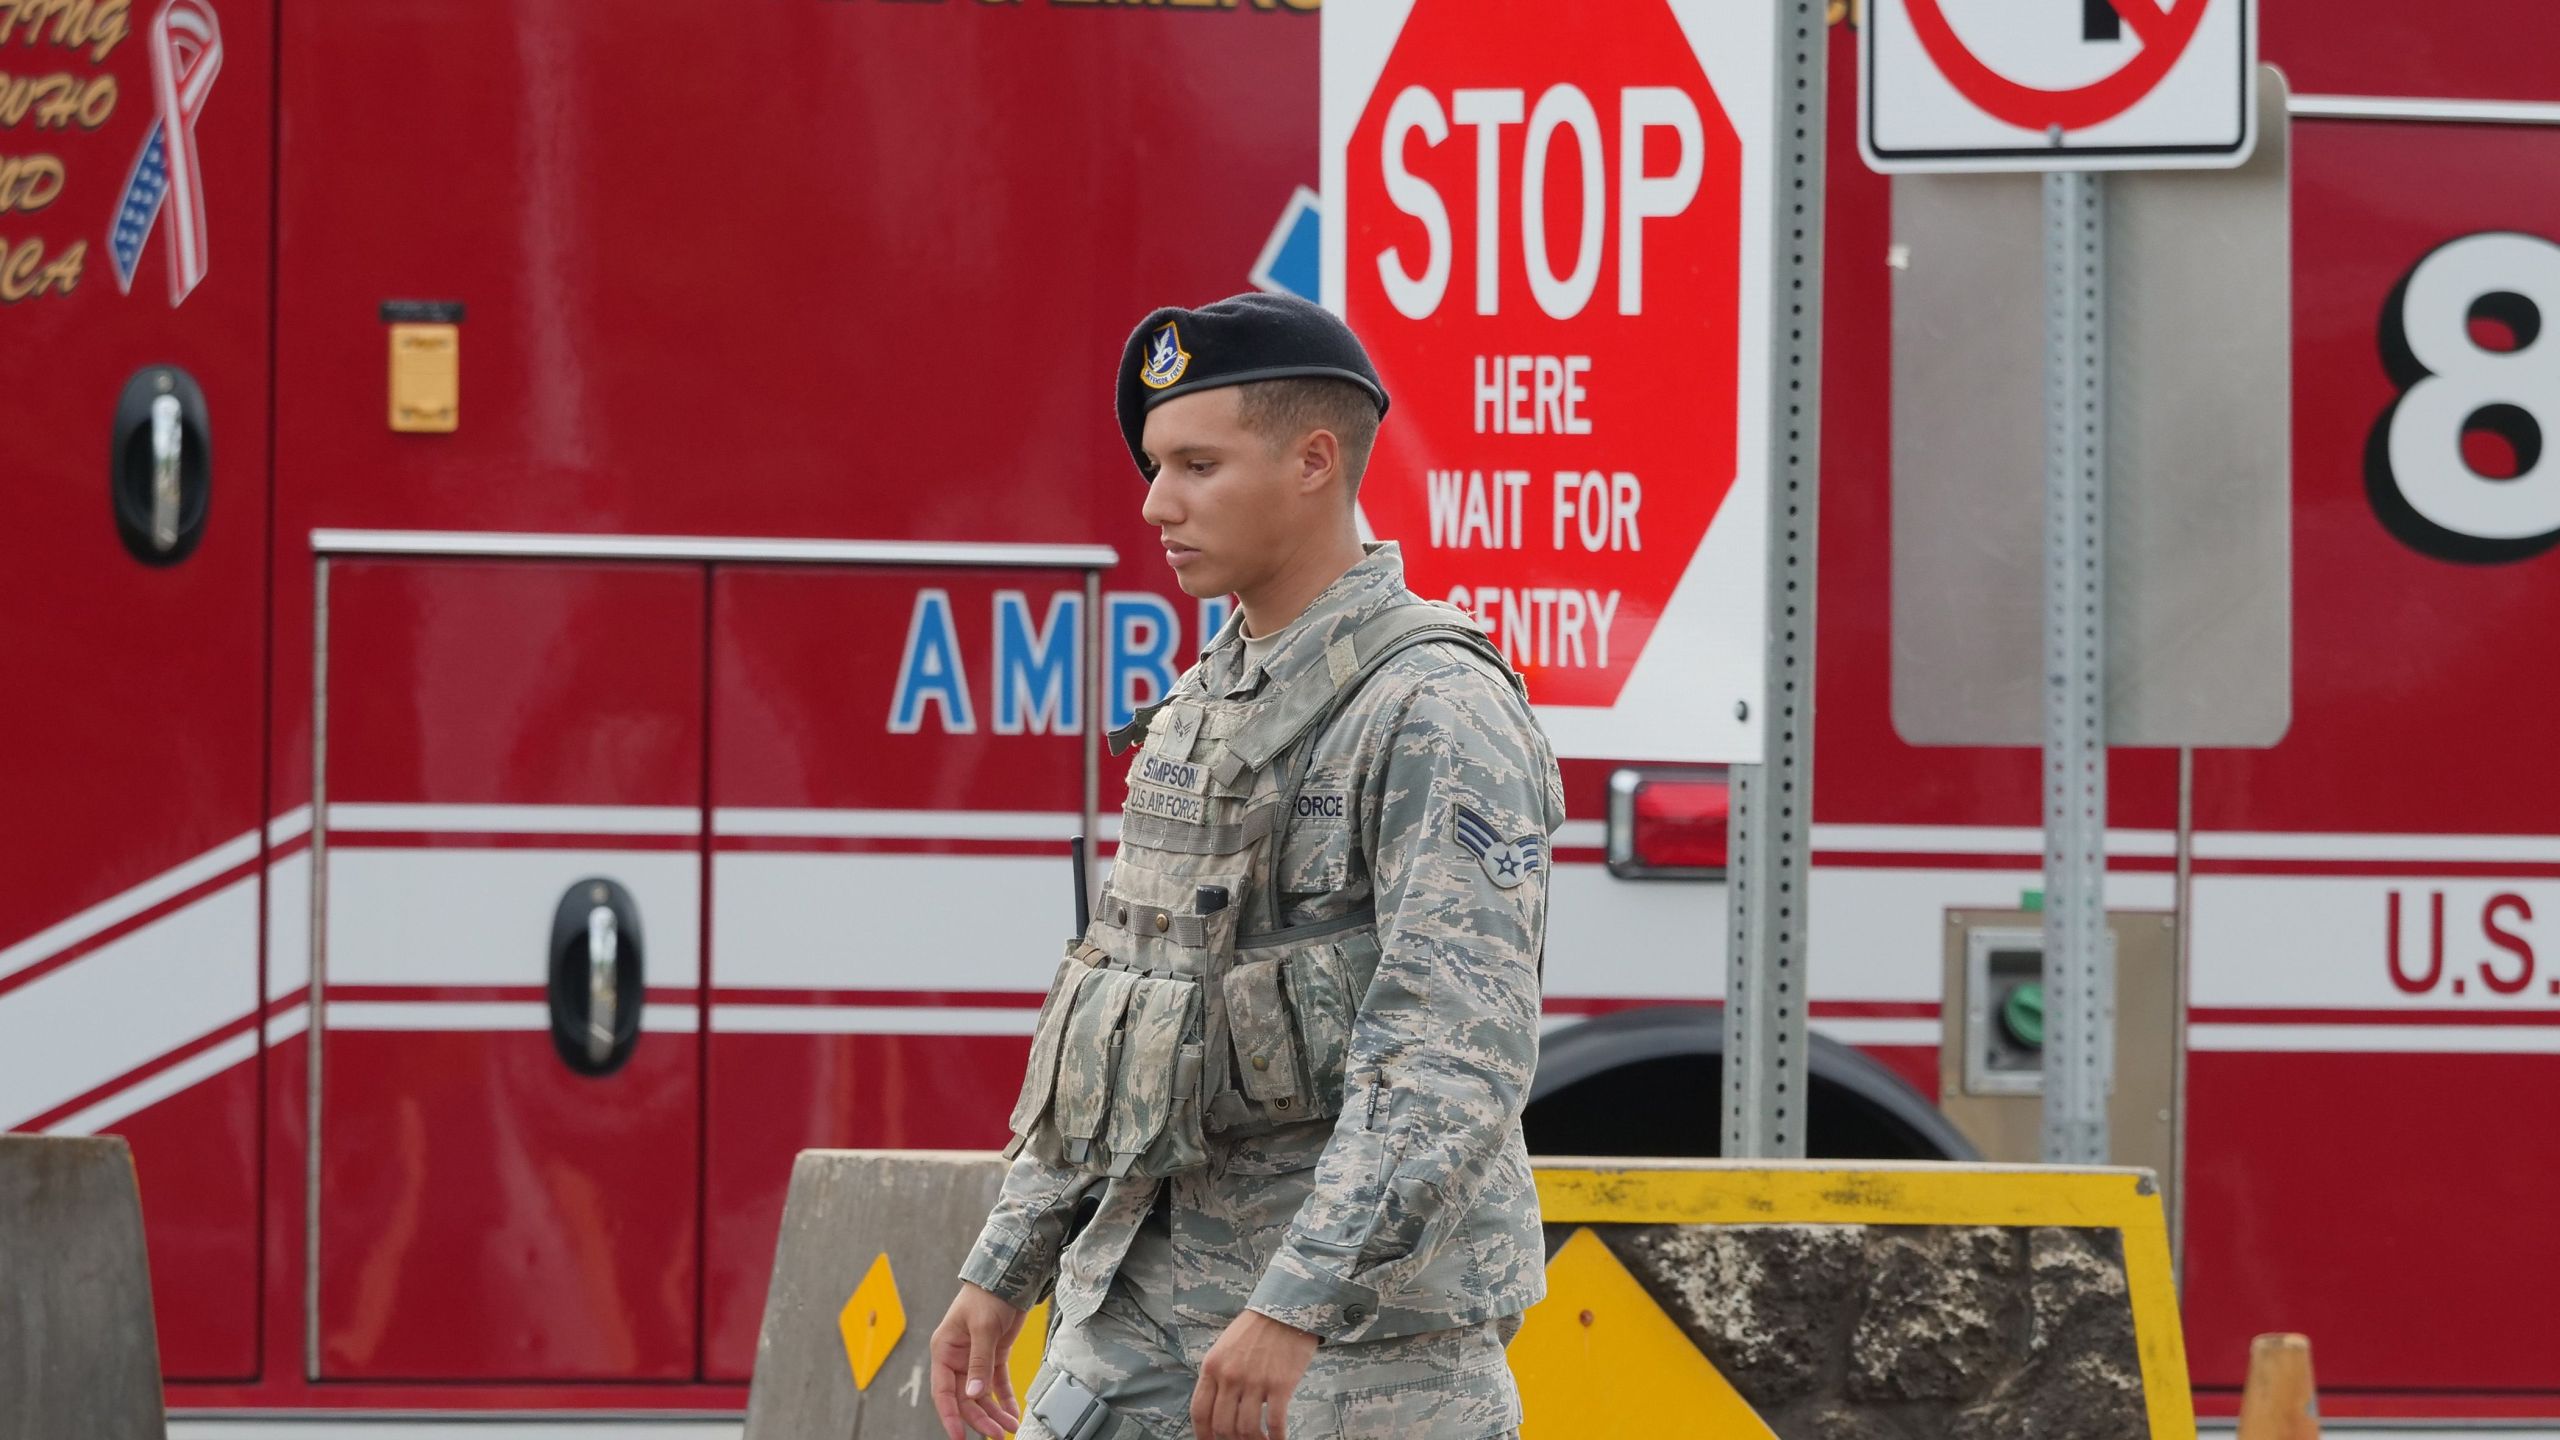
(1542, 249)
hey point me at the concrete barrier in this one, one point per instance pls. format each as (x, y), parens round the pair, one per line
(1867, 1302)
(1813, 1301)
(78, 1355)
(886, 1227)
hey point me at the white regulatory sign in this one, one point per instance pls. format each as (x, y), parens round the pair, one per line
(2057, 84)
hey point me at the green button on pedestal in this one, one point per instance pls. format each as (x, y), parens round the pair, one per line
(2022, 1015)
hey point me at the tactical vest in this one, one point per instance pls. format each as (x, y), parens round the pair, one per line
(1187, 1011)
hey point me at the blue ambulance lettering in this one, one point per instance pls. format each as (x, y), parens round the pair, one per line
(1037, 669)
(1141, 636)
(931, 673)
(1039, 673)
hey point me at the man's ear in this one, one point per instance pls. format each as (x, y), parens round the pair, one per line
(1319, 461)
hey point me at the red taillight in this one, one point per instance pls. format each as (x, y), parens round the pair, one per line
(1669, 823)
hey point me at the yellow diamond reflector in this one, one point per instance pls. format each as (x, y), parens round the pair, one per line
(1598, 1357)
(872, 1321)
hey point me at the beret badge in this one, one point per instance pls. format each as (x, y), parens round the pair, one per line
(1166, 359)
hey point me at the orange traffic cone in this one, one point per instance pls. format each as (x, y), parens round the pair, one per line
(2279, 1402)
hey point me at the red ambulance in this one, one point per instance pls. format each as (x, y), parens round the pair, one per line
(627, 495)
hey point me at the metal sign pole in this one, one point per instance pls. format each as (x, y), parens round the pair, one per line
(1772, 812)
(2079, 958)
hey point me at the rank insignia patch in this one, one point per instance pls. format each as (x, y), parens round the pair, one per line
(1508, 863)
(1166, 359)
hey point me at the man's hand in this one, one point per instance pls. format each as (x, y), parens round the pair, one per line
(1252, 1371)
(972, 1382)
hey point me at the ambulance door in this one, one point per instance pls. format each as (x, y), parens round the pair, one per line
(134, 325)
(899, 756)
(2374, 985)
(511, 763)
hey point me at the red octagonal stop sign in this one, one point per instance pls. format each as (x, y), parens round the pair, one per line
(1541, 219)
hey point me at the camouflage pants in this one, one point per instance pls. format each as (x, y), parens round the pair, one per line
(1141, 1353)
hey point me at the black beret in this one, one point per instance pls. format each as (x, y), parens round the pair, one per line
(1238, 340)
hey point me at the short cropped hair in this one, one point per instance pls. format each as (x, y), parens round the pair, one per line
(1282, 410)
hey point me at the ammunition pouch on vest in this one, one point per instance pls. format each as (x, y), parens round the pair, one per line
(1187, 1011)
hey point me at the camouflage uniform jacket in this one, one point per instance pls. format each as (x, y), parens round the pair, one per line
(1428, 800)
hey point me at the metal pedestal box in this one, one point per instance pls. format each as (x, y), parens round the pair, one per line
(1990, 1071)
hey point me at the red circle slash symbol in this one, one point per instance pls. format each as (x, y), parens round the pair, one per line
(2164, 35)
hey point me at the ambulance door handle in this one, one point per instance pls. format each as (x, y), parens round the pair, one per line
(160, 465)
(165, 444)
(597, 968)
(604, 935)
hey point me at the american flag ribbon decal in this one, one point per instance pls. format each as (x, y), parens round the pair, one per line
(186, 53)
